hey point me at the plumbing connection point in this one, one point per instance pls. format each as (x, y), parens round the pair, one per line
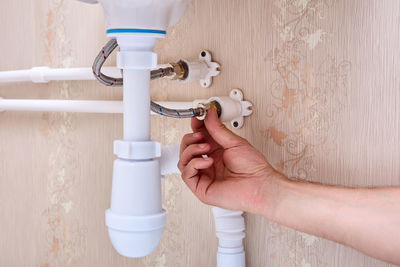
(230, 108)
(206, 106)
(233, 108)
(201, 70)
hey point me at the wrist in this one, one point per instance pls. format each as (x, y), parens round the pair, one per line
(272, 191)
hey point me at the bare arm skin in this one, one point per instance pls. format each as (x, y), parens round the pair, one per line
(237, 176)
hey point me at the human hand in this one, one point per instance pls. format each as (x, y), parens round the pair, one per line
(237, 176)
(234, 173)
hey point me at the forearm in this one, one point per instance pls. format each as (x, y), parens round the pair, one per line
(365, 219)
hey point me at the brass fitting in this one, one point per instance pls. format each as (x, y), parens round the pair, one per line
(180, 70)
(207, 106)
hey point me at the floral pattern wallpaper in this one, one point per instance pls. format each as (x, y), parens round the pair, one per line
(306, 97)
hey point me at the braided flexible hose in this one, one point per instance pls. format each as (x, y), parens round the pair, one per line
(177, 113)
(99, 61)
(154, 74)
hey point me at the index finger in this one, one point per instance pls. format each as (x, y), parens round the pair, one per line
(197, 125)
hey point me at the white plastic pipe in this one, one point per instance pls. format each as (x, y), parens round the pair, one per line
(136, 219)
(61, 105)
(169, 159)
(85, 106)
(46, 74)
(136, 105)
(229, 227)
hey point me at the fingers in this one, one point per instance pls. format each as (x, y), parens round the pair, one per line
(220, 133)
(196, 182)
(196, 124)
(192, 168)
(189, 139)
(190, 152)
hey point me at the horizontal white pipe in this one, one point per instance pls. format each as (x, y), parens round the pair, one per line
(169, 159)
(86, 106)
(46, 74)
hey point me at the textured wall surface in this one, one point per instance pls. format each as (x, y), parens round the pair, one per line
(323, 76)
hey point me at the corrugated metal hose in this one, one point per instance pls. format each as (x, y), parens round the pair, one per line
(154, 74)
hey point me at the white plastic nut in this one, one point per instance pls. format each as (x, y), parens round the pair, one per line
(137, 150)
(136, 60)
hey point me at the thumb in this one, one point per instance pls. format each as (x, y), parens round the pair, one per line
(217, 130)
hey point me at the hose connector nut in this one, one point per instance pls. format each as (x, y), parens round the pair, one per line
(207, 106)
(180, 70)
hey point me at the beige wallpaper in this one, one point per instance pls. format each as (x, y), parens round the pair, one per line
(323, 78)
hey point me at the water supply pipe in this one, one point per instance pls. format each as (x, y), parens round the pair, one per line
(202, 69)
(233, 108)
(46, 74)
(83, 106)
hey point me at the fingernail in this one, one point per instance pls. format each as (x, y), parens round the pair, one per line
(197, 134)
(202, 145)
(207, 159)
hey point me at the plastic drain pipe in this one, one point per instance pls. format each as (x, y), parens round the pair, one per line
(136, 219)
(229, 227)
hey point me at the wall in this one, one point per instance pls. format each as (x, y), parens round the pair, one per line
(320, 73)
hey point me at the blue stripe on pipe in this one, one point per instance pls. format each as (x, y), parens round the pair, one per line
(136, 31)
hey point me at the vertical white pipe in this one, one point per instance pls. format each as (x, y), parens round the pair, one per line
(136, 105)
(229, 227)
(136, 92)
(136, 219)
